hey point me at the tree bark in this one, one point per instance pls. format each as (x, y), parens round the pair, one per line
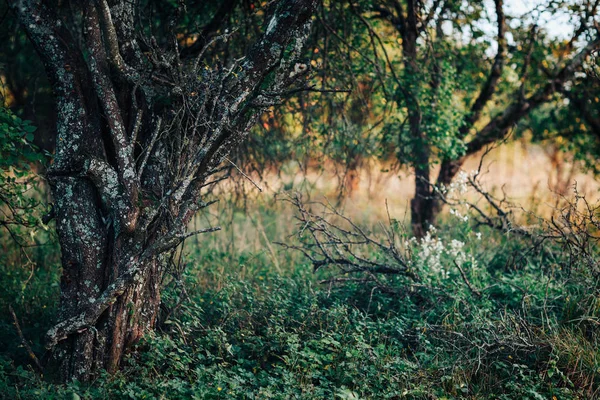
(407, 26)
(140, 130)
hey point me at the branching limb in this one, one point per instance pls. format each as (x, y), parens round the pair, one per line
(339, 242)
(105, 91)
(489, 88)
(113, 193)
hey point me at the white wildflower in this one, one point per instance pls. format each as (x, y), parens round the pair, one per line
(456, 251)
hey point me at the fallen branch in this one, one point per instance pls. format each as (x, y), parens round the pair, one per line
(24, 341)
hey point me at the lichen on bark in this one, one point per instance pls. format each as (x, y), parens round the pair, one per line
(135, 146)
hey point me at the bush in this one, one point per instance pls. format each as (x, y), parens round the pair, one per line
(283, 336)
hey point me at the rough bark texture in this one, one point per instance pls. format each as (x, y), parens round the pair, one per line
(140, 129)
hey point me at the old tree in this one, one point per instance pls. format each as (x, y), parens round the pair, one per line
(146, 115)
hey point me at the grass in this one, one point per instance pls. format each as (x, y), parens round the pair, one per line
(258, 325)
(282, 336)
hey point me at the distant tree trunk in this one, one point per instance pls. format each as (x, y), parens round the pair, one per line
(140, 129)
(420, 204)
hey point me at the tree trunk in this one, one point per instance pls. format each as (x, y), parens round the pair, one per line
(421, 211)
(92, 259)
(448, 170)
(96, 252)
(420, 205)
(139, 132)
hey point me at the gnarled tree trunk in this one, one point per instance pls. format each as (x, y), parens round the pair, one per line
(142, 124)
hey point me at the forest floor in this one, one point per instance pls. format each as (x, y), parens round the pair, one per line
(255, 322)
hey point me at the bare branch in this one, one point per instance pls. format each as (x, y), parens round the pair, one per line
(489, 88)
(245, 176)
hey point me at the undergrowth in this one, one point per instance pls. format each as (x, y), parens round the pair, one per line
(245, 329)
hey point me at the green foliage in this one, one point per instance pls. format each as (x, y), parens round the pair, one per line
(17, 156)
(568, 123)
(29, 254)
(246, 331)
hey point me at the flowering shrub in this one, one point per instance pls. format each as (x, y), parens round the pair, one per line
(436, 257)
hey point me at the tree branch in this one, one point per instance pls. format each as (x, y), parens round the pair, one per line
(107, 181)
(24, 341)
(489, 88)
(106, 93)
